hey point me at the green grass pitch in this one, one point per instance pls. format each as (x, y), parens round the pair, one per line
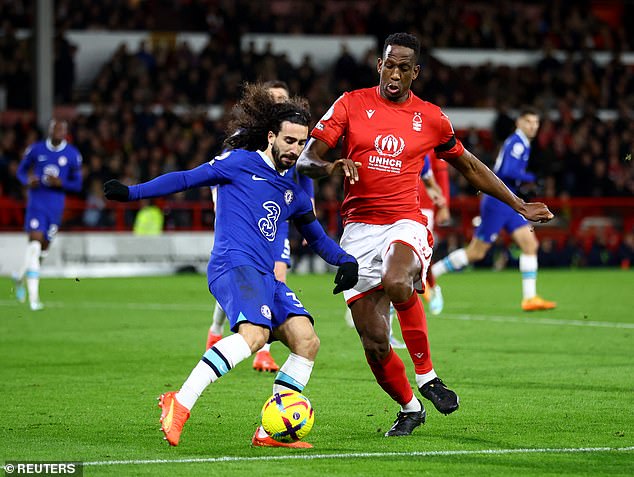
(545, 393)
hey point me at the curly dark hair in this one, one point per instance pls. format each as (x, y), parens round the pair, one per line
(257, 113)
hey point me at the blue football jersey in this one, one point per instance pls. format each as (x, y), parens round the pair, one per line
(45, 160)
(253, 200)
(511, 162)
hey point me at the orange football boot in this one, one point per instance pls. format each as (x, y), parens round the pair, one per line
(537, 303)
(212, 339)
(263, 361)
(173, 417)
(268, 441)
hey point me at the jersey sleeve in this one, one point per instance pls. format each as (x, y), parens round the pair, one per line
(448, 145)
(426, 171)
(334, 123)
(73, 182)
(513, 165)
(217, 171)
(25, 164)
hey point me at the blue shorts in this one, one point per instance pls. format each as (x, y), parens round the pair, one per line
(43, 220)
(496, 216)
(281, 244)
(249, 295)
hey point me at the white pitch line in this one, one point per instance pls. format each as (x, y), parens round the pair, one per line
(536, 321)
(363, 455)
(449, 316)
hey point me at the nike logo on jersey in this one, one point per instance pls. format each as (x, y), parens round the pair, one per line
(256, 178)
(370, 112)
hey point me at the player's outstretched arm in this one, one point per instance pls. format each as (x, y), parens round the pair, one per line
(483, 179)
(166, 184)
(311, 162)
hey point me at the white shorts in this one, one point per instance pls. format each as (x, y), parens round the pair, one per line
(429, 213)
(369, 244)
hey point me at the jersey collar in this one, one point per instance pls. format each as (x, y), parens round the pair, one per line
(269, 162)
(50, 147)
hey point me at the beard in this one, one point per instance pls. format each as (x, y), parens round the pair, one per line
(280, 165)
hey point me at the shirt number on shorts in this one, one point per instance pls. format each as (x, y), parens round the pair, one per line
(296, 301)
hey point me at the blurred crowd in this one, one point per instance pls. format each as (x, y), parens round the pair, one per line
(136, 129)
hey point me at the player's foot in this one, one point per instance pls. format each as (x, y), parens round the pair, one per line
(436, 303)
(212, 339)
(396, 344)
(443, 398)
(173, 417)
(406, 422)
(263, 361)
(19, 289)
(262, 439)
(537, 303)
(36, 306)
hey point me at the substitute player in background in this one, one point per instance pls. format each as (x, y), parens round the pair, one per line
(263, 360)
(510, 166)
(254, 197)
(49, 169)
(386, 131)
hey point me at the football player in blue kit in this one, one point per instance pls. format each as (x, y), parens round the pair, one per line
(255, 195)
(49, 169)
(263, 360)
(510, 166)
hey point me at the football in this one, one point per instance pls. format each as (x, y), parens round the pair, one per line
(287, 416)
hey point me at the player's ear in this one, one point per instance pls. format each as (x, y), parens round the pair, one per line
(416, 72)
(271, 138)
(379, 65)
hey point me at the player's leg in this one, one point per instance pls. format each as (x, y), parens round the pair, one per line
(371, 317)
(217, 325)
(294, 327)
(241, 291)
(395, 343)
(30, 270)
(525, 238)
(405, 263)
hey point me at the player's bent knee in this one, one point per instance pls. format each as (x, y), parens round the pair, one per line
(255, 336)
(399, 289)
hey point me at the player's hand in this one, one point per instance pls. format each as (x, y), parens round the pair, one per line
(346, 167)
(52, 181)
(437, 198)
(443, 216)
(115, 190)
(33, 181)
(346, 277)
(536, 212)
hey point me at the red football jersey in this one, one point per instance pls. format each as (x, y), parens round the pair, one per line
(390, 141)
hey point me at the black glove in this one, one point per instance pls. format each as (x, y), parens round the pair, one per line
(115, 190)
(346, 277)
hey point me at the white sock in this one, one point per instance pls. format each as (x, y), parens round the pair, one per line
(425, 378)
(294, 374)
(218, 320)
(412, 406)
(32, 270)
(453, 262)
(528, 267)
(266, 347)
(216, 362)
